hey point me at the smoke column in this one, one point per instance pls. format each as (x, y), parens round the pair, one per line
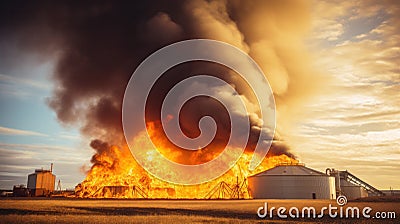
(97, 47)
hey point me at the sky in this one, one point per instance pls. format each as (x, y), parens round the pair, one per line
(30, 135)
(351, 121)
(354, 124)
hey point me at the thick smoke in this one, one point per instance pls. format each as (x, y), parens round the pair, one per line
(98, 45)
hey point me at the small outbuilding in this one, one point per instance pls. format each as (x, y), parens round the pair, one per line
(42, 182)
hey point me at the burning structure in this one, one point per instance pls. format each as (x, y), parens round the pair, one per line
(123, 184)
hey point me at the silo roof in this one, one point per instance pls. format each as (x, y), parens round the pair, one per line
(290, 170)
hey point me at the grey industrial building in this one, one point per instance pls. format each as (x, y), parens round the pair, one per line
(296, 181)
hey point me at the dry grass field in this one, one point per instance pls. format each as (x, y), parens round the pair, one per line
(44, 210)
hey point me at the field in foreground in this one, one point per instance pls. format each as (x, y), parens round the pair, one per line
(43, 210)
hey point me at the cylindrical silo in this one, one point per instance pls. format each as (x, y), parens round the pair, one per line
(292, 182)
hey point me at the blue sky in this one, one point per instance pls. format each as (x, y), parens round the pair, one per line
(30, 135)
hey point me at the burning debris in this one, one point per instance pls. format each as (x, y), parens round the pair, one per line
(131, 181)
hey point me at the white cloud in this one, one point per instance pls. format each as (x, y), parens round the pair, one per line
(19, 160)
(12, 131)
(328, 30)
(24, 81)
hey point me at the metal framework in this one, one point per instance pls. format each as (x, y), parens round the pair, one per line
(116, 191)
(59, 186)
(224, 191)
(356, 181)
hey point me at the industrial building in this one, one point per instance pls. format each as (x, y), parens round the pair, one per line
(292, 182)
(20, 191)
(42, 182)
(296, 181)
(351, 186)
(392, 192)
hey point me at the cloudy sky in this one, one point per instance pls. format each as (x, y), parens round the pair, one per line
(354, 123)
(350, 123)
(30, 136)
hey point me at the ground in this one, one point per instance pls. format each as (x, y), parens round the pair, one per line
(50, 210)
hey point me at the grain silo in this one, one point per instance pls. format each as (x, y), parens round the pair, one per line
(352, 191)
(288, 181)
(351, 186)
(41, 183)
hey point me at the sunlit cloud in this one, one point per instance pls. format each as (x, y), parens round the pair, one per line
(355, 124)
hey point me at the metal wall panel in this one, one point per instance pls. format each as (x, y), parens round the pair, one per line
(42, 180)
(31, 181)
(353, 192)
(292, 187)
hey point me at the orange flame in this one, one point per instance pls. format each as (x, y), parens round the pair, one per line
(117, 174)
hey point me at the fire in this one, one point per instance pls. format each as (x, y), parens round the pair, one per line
(116, 173)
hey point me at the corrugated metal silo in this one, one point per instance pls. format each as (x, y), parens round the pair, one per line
(352, 191)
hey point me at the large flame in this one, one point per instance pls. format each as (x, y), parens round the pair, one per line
(117, 174)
